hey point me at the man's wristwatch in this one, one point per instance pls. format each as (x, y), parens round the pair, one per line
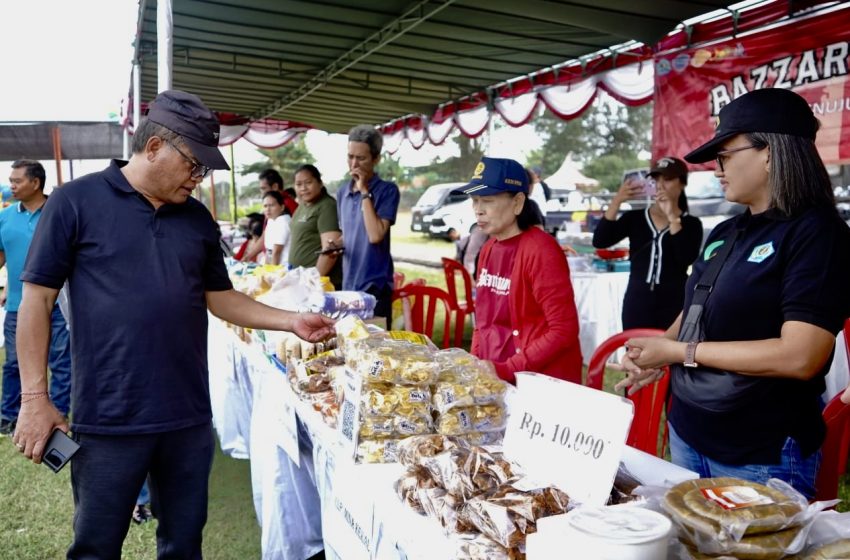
(690, 354)
(367, 194)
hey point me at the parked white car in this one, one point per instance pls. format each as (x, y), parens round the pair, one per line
(456, 218)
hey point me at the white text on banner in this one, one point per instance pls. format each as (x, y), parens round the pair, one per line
(568, 435)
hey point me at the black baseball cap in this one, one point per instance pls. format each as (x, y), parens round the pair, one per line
(668, 167)
(774, 110)
(187, 115)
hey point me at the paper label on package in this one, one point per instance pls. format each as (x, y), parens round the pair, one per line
(735, 497)
(415, 338)
(568, 435)
(348, 427)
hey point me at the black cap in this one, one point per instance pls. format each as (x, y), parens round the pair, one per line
(669, 168)
(774, 110)
(187, 115)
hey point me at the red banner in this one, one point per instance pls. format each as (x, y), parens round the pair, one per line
(810, 55)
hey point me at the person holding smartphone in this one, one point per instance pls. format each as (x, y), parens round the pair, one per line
(664, 240)
(315, 227)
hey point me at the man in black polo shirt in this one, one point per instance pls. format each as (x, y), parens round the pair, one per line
(143, 263)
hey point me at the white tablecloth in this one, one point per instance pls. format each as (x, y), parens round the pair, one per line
(599, 300)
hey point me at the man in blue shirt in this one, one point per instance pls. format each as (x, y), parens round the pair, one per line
(143, 263)
(17, 224)
(367, 208)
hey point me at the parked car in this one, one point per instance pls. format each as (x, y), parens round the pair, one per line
(435, 197)
(457, 218)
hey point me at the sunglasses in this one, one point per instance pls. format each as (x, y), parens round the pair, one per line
(199, 170)
(720, 157)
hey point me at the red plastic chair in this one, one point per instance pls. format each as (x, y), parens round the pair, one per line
(461, 308)
(835, 448)
(649, 401)
(423, 309)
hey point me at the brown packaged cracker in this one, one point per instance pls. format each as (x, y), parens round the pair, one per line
(688, 505)
(465, 472)
(443, 507)
(507, 514)
(624, 484)
(407, 487)
(412, 450)
(479, 547)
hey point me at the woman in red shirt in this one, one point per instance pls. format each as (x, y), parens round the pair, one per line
(525, 313)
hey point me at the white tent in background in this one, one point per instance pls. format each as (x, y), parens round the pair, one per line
(568, 177)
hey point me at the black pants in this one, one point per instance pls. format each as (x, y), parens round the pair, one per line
(384, 305)
(106, 474)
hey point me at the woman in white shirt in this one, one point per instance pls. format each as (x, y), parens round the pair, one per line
(277, 228)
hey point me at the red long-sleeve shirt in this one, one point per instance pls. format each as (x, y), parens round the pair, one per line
(543, 312)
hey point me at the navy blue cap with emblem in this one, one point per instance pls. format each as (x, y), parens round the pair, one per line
(776, 110)
(496, 176)
(185, 114)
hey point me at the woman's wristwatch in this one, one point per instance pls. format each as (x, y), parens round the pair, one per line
(691, 354)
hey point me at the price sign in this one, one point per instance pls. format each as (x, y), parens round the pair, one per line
(348, 426)
(568, 435)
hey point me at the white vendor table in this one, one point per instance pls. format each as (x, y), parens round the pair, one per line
(599, 300)
(327, 502)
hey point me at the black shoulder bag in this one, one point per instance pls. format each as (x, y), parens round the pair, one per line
(709, 388)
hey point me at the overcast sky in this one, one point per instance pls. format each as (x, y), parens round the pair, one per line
(71, 60)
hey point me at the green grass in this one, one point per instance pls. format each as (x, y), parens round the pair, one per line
(37, 510)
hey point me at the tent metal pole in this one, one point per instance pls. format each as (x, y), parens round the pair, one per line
(164, 43)
(233, 184)
(57, 154)
(212, 197)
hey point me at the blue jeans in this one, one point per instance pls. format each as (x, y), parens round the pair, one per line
(144, 496)
(58, 359)
(798, 471)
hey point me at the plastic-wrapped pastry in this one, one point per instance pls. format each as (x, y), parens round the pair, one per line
(479, 547)
(385, 399)
(479, 389)
(413, 450)
(484, 438)
(412, 425)
(456, 364)
(327, 405)
(321, 363)
(377, 451)
(444, 508)
(465, 472)
(471, 419)
(407, 487)
(506, 514)
(377, 426)
(392, 361)
(727, 507)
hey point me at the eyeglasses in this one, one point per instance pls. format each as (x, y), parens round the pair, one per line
(199, 170)
(719, 157)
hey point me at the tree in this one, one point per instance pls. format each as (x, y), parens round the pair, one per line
(286, 159)
(608, 169)
(616, 129)
(560, 137)
(390, 168)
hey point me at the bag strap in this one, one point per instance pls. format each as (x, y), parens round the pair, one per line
(691, 329)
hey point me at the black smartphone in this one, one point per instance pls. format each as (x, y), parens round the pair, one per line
(330, 250)
(59, 450)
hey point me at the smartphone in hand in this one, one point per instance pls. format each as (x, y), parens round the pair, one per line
(59, 450)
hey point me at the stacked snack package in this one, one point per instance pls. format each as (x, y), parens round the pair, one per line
(474, 494)
(723, 517)
(395, 399)
(468, 398)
